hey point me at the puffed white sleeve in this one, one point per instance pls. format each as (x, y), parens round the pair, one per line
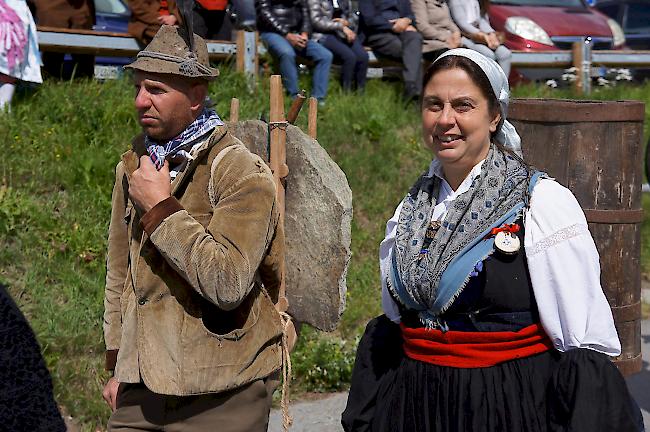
(564, 270)
(385, 256)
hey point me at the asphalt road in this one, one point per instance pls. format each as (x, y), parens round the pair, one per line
(323, 415)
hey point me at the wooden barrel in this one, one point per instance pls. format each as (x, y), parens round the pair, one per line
(595, 149)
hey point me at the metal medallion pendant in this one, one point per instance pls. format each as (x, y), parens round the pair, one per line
(432, 228)
(507, 242)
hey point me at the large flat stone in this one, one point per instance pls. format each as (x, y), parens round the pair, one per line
(318, 222)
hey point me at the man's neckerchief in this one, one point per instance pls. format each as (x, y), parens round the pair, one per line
(195, 132)
(501, 185)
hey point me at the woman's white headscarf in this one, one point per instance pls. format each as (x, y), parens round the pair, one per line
(506, 133)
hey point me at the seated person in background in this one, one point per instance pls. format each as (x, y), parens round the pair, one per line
(284, 27)
(333, 29)
(472, 18)
(387, 25)
(20, 59)
(67, 14)
(148, 15)
(209, 20)
(439, 33)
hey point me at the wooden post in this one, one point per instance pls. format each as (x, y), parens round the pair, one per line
(581, 52)
(234, 110)
(296, 106)
(255, 55)
(313, 116)
(247, 58)
(278, 161)
(241, 50)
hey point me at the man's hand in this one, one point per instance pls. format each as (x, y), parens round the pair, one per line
(410, 28)
(454, 40)
(343, 21)
(297, 40)
(149, 186)
(167, 19)
(400, 24)
(110, 393)
(349, 34)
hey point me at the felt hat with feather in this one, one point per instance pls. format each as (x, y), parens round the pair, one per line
(172, 52)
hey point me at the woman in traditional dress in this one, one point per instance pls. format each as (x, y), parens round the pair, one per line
(19, 56)
(494, 315)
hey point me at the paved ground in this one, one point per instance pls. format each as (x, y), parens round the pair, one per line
(323, 415)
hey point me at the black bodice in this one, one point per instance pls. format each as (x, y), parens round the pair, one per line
(499, 298)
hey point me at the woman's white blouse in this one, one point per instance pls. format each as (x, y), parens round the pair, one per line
(562, 260)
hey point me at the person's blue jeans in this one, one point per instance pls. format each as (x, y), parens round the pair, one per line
(285, 53)
(353, 58)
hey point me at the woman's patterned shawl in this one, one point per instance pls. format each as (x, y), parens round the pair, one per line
(429, 272)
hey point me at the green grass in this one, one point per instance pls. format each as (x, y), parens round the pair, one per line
(61, 144)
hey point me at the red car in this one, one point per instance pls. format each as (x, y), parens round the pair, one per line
(542, 25)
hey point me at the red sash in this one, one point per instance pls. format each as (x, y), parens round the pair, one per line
(473, 349)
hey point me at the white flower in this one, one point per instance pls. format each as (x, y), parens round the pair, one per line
(569, 77)
(551, 83)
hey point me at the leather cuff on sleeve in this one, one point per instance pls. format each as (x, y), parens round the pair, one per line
(158, 213)
(111, 359)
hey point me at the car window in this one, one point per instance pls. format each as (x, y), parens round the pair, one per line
(559, 3)
(610, 10)
(638, 18)
(110, 6)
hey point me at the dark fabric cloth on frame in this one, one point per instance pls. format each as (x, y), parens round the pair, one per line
(26, 396)
(211, 24)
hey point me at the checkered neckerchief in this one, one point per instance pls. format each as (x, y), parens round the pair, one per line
(203, 125)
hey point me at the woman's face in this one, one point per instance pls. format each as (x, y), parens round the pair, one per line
(456, 119)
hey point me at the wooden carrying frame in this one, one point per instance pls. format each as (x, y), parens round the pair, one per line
(278, 163)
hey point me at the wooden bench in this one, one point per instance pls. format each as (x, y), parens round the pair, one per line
(246, 48)
(111, 44)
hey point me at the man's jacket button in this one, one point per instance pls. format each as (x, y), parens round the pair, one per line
(142, 301)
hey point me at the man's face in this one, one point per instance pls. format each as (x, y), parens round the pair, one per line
(166, 104)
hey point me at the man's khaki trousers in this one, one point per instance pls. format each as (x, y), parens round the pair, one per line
(241, 410)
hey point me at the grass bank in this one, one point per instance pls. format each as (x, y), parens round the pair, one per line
(61, 145)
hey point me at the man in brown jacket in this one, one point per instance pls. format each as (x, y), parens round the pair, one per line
(195, 254)
(67, 14)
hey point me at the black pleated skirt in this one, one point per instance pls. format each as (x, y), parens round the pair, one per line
(580, 390)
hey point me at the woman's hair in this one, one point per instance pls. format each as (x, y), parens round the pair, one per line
(484, 5)
(473, 70)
